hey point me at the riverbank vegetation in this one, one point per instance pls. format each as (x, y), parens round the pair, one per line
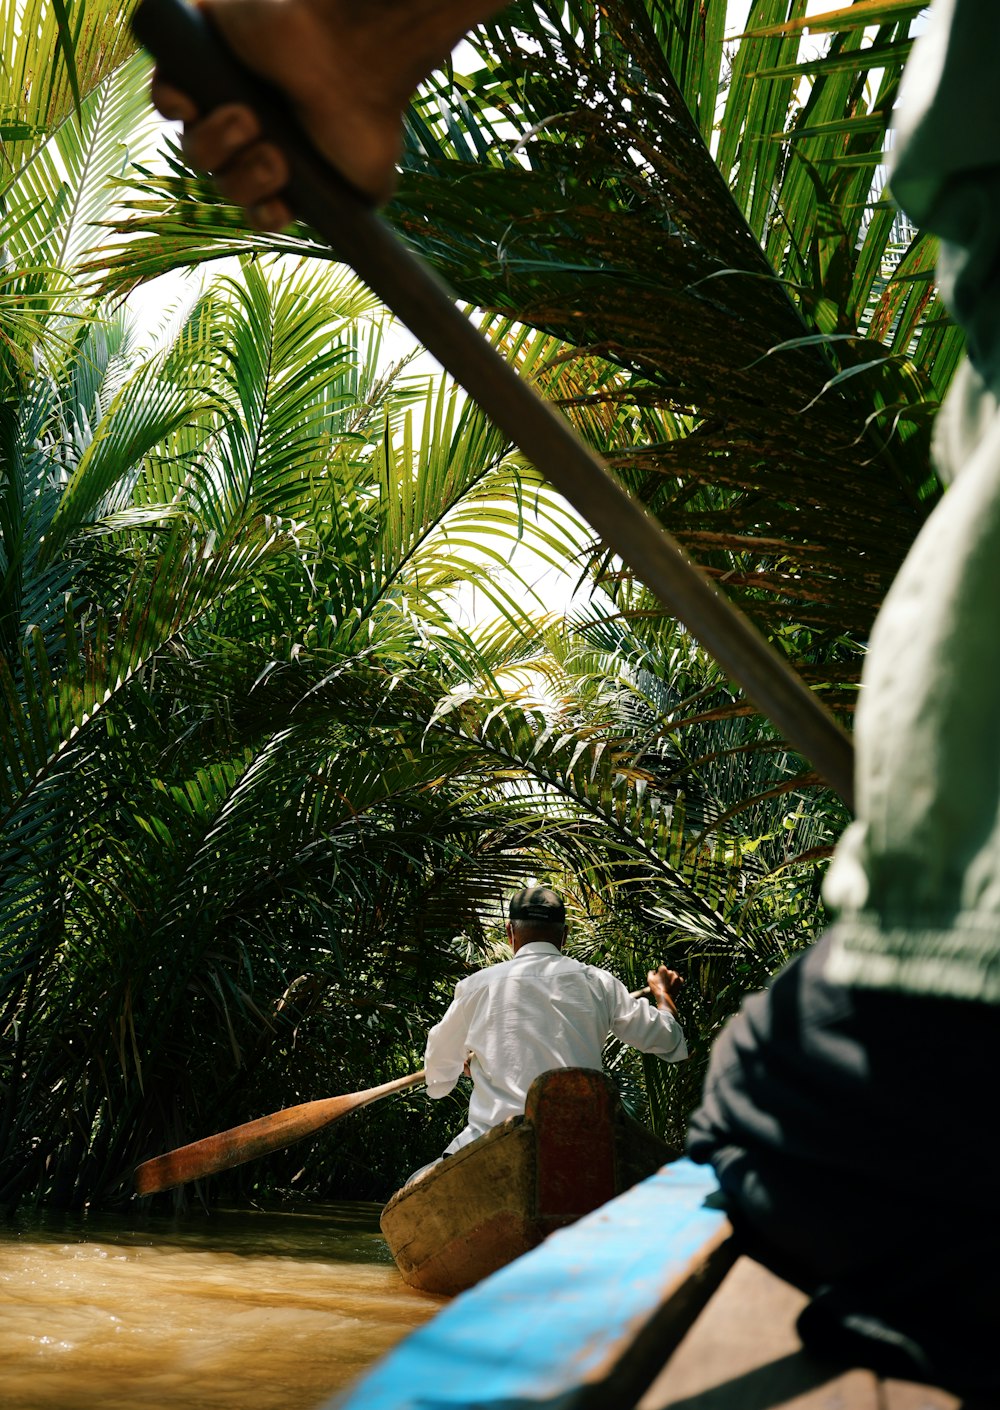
(265, 778)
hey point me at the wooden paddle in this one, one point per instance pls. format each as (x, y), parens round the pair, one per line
(257, 1138)
(191, 57)
(268, 1133)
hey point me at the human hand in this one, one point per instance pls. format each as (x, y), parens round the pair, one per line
(227, 143)
(347, 72)
(340, 94)
(664, 984)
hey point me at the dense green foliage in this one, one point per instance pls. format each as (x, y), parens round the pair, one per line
(261, 791)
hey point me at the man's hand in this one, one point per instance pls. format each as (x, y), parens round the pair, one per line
(347, 69)
(665, 985)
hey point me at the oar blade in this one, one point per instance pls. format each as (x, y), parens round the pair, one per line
(256, 1138)
(235, 1147)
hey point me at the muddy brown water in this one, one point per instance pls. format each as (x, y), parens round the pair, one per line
(228, 1311)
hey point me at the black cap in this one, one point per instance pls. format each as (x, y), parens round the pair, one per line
(538, 903)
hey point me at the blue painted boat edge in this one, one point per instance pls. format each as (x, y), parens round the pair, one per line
(557, 1317)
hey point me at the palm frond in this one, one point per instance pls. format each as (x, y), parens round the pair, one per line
(648, 260)
(55, 55)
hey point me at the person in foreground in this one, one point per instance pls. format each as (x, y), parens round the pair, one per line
(512, 1021)
(847, 1108)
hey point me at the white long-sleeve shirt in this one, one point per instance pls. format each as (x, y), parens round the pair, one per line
(539, 1010)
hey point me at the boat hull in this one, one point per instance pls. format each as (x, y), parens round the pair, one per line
(499, 1196)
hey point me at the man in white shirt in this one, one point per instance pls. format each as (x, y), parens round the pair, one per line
(513, 1021)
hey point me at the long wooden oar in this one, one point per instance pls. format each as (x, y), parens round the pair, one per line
(268, 1133)
(257, 1138)
(191, 57)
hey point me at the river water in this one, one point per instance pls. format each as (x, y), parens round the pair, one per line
(227, 1311)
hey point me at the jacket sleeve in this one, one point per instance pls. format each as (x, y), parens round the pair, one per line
(642, 1026)
(447, 1045)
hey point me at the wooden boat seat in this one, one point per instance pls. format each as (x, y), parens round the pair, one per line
(642, 1305)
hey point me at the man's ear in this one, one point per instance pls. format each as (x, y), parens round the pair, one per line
(509, 931)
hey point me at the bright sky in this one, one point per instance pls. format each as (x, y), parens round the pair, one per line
(738, 11)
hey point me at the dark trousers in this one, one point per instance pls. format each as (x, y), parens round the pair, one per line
(854, 1134)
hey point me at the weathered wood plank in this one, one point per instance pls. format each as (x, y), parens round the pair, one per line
(743, 1354)
(903, 1395)
(584, 1321)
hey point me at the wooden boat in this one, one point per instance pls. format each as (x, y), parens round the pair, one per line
(574, 1149)
(645, 1304)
